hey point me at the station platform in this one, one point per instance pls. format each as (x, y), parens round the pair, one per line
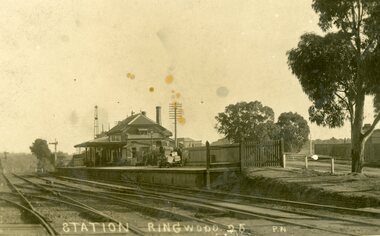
(191, 177)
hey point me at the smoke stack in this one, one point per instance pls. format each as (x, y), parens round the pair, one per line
(158, 115)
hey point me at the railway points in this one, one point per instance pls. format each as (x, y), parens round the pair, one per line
(239, 209)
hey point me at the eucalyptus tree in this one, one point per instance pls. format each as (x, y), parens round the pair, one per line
(246, 120)
(293, 129)
(339, 69)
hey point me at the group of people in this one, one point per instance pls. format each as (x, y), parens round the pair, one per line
(161, 156)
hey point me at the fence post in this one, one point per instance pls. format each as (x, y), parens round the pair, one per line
(208, 165)
(332, 165)
(282, 151)
(306, 164)
(240, 159)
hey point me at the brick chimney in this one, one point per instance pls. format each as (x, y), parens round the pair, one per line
(143, 113)
(158, 115)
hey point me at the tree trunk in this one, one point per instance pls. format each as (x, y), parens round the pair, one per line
(357, 139)
(357, 154)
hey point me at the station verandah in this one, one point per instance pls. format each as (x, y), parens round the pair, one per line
(103, 152)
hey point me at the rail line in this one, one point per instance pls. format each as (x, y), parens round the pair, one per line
(149, 195)
(272, 200)
(29, 208)
(131, 204)
(224, 195)
(271, 217)
(77, 204)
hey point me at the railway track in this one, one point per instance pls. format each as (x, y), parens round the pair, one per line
(64, 192)
(61, 198)
(15, 217)
(227, 206)
(29, 208)
(252, 198)
(164, 196)
(227, 195)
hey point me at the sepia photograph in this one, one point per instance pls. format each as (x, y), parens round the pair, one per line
(190, 117)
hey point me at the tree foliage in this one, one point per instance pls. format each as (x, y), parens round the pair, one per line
(325, 68)
(255, 122)
(293, 129)
(41, 150)
(245, 120)
(339, 69)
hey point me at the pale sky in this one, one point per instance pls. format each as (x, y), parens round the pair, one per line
(58, 59)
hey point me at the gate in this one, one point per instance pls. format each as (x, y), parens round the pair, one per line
(262, 154)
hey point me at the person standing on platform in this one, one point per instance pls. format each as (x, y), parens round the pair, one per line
(161, 155)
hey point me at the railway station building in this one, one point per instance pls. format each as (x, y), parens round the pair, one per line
(126, 143)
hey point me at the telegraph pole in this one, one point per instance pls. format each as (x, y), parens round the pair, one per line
(55, 143)
(175, 112)
(96, 124)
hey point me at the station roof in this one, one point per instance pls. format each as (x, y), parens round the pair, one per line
(120, 126)
(102, 141)
(140, 120)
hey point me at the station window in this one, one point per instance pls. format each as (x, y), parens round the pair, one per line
(115, 138)
(143, 131)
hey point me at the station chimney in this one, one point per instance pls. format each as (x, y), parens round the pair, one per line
(158, 115)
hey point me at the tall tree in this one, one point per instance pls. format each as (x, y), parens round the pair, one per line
(339, 69)
(293, 128)
(41, 150)
(245, 120)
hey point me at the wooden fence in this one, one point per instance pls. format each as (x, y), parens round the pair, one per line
(262, 154)
(220, 155)
(245, 154)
